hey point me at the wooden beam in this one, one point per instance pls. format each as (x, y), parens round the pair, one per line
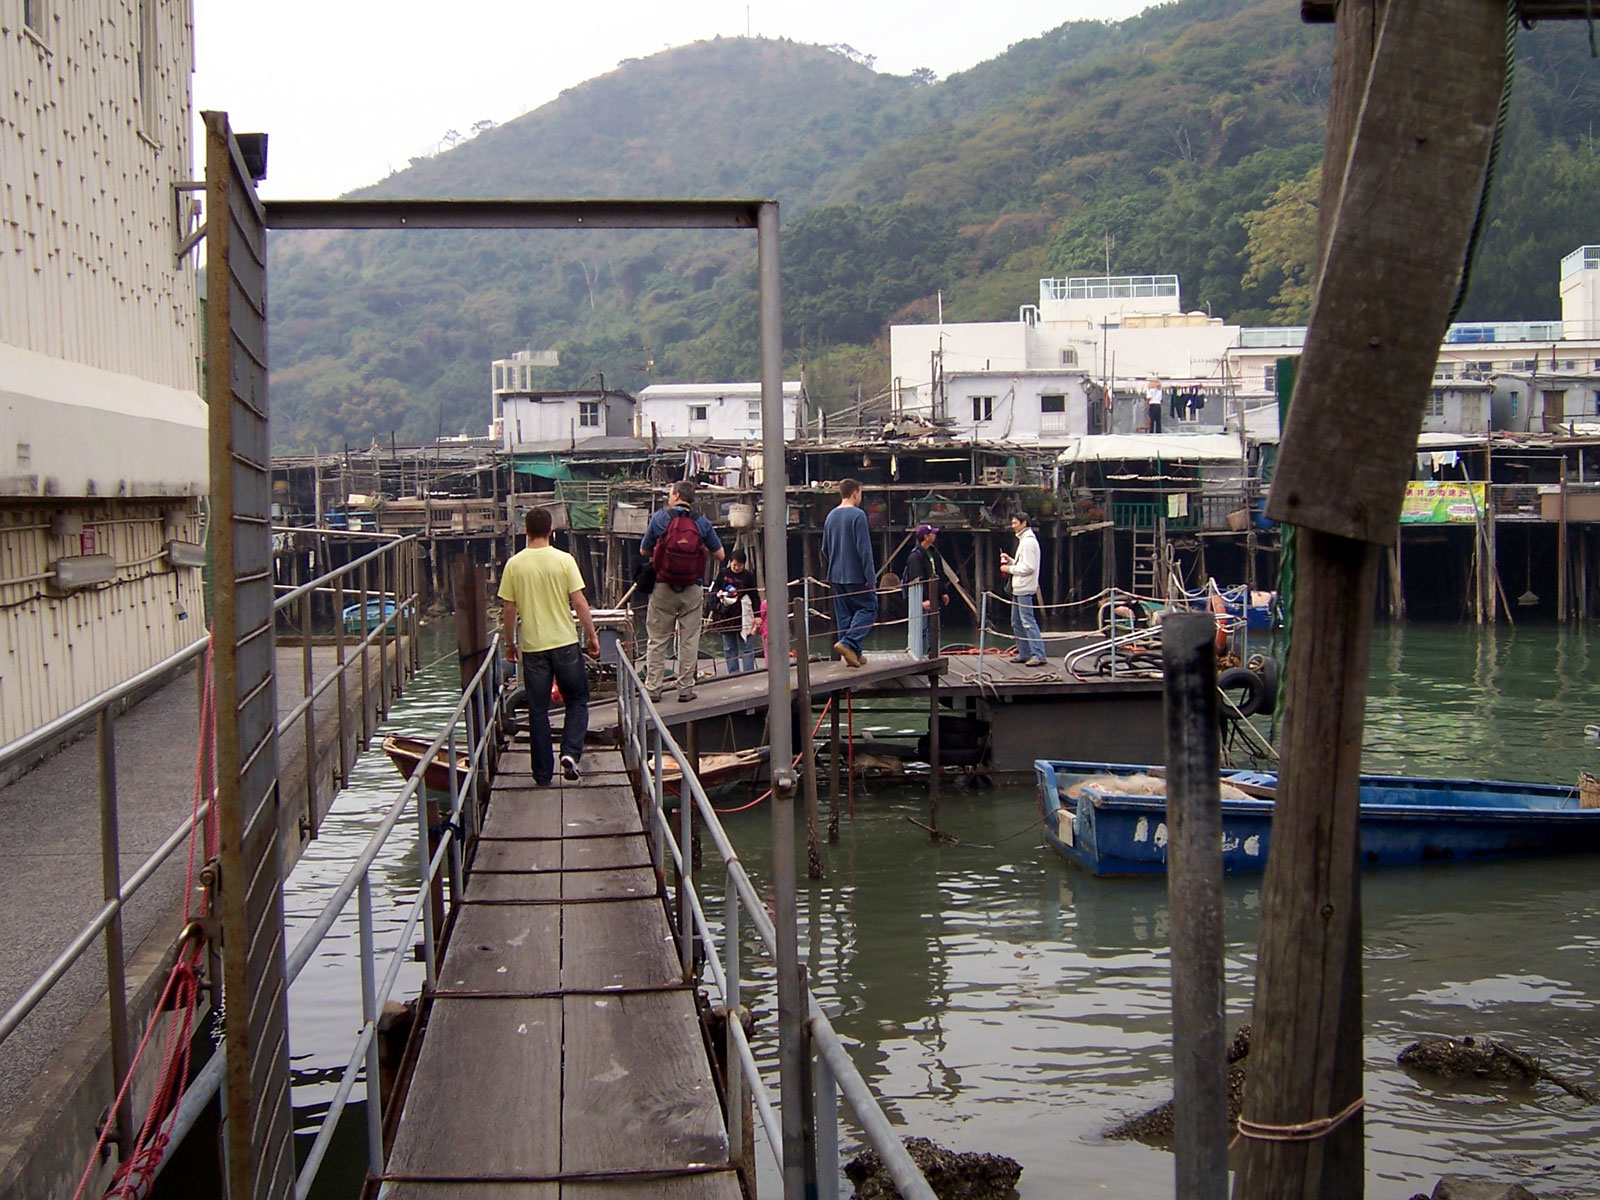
(1322, 12)
(1394, 254)
(1416, 89)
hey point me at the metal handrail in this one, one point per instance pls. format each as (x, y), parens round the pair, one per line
(53, 731)
(479, 708)
(119, 891)
(646, 744)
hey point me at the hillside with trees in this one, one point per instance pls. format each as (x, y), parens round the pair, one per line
(1184, 140)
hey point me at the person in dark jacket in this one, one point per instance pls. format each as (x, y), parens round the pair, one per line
(847, 545)
(735, 612)
(921, 569)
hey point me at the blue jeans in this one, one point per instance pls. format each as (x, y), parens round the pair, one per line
(855, 609)
(1025, 624)
(736, 648)
(564, 664)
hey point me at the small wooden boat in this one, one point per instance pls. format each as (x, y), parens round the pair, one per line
(717, 769)
(406, 752)
(1111, 818)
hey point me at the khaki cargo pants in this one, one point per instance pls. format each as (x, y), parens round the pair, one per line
(672, 611)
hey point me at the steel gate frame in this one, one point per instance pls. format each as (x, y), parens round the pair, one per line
(259, 1159)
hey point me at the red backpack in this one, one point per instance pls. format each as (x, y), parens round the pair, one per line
(680, 555)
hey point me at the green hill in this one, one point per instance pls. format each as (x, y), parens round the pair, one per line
(1146, 143)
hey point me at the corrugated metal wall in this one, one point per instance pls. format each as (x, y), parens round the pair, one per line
(88, 220)
(57, 651)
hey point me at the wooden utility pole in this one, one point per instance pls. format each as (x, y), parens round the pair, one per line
(1415, 89)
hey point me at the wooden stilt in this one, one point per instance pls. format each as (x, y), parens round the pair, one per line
(1412, 110)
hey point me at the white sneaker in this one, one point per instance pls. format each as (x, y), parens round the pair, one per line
(569, 768)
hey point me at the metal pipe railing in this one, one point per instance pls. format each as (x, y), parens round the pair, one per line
(101, 711)
(482, 693)
(646, 744)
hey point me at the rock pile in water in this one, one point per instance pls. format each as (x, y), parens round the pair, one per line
(953, 1175)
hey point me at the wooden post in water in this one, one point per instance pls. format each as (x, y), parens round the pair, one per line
(1194, 900)
(1563, 605)
(808, 744)
(1415, 88)
(834, 767)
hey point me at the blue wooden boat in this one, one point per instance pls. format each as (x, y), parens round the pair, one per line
(353, 619)
(1109, 829)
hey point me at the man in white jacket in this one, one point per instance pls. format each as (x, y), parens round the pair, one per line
(1024, 573)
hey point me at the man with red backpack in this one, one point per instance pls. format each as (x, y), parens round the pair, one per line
(677, 542)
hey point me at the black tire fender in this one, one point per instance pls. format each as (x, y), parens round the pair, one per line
(1252, 689)
(1269, 685)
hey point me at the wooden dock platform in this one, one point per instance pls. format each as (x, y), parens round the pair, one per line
(562, 1057)
(725, 694)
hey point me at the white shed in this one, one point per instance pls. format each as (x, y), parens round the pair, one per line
(727, 412)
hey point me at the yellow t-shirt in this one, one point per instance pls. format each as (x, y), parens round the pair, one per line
(539, 582)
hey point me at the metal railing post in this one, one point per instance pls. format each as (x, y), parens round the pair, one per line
(657, 821)
(686, 874)
(339, 666)
(734, 1003)
(983, 629)
(1113, 634)
(366, 703)
(425, 875)
(369, 1013)
(827, 1131)
(308, 678)
(116, 963)
(458, 792)
(383, 632)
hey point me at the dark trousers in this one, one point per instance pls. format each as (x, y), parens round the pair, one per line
(855, 609)
(1154, 412)
(564, 665)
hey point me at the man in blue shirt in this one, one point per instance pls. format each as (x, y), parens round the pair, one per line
(677, 542)
(847, 545)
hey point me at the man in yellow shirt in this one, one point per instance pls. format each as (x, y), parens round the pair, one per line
(542, 586)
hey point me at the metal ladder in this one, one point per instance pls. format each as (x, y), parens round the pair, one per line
(1144, 562)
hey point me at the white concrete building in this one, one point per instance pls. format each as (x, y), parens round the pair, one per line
(1124, 330)
(718, 412)
(541, 420)
(103, 449)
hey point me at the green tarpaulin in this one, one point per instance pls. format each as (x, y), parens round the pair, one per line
(546, 466)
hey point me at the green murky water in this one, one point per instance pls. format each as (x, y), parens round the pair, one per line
(997, 999)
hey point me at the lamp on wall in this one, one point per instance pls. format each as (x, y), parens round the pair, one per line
(83, 570)
(186, 554)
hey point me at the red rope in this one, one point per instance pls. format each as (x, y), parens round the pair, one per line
(180, 994)
(817, 728)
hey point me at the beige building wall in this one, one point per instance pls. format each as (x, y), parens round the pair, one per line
(101, 422)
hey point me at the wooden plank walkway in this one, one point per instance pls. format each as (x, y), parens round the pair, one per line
(562, 1056)
(747, 692)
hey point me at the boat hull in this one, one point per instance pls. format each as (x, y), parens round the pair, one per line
(406, 752)
(1404, 821)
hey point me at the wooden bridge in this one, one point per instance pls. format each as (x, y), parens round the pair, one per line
(563, 1052)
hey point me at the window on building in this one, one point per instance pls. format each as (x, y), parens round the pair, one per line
(698, 412)
(1069, 357)
(1444, 371)
(1269, 377)
(589, 414)
(1435, 403)
(983, 408)
(753, 412)
(1052, 404)
(1052, 414)
(33, 16)
(148, 51)
(1569, 364)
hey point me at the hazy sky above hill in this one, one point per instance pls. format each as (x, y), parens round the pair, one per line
(351, 90)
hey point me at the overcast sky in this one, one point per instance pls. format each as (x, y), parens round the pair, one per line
(350, 90)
